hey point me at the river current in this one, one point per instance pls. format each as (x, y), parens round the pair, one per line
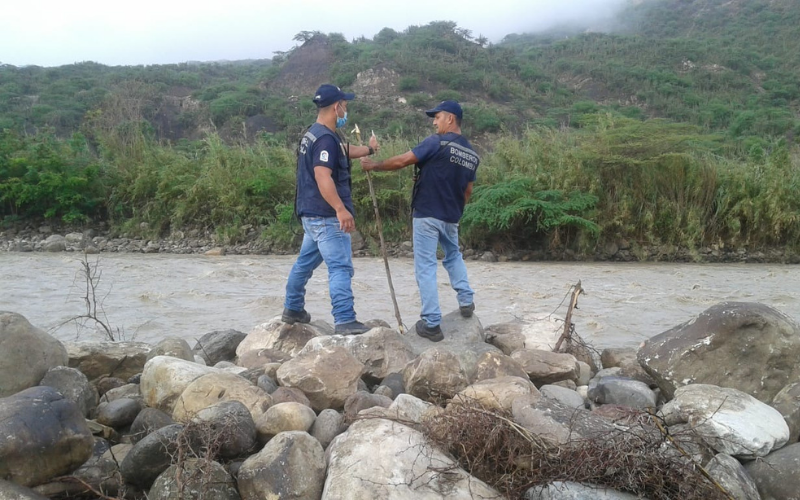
(149, 297)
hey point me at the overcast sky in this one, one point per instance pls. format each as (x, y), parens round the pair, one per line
(56, 32)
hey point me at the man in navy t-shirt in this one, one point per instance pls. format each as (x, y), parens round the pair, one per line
(448, 165)
(325, 207)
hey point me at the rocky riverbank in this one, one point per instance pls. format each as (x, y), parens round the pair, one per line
(55, 238)
(295, 411)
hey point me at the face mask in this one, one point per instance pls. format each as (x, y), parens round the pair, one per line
(340, 122)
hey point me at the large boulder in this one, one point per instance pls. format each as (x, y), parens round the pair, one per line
(729, 473)
(568, 490)
(547, 367)
(172, 346)
(381, 350)
(219, 345)
(216, 387)
(406, 467)
(326, 376)
(165, 378)
(497, 393)
(42, 435)
(284, 417)
(279, 336)
(198, 479)
(227, 426)
(26, 353)
(73, 385)
(108, 359)
(729, 421)
(13, 491)
(776, 474)
(557, 423)
(151, 456)
(787, 402)
(291, 465)
(621, 391)
(742, 345)
(436, 375)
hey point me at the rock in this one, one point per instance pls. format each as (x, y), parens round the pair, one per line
(546, 367)
(496, 393)
(406, 467)
(127, 391)
(394, 381)
(219, 345)
(436, 375)
(557, 423)
(284, 417)
(151, 456)
(381, 350)
(13, 491)
(568, 490)
(729, 421)
(227, 426)
(119, 413)
(172, 346)
(495, 364)
(745, 346)
(291, 465)
(215, 252)
(215, 387)
(147, 421)
(787, 402)
(618, 356)
(164, 379)
(729, 473)
(541, 334)
(275, 334)
(258, 358)
(74, 386)
(327, 377)
(105, 385)
(776, 474)
(54, 243)
(460, 335)
(267, 384)
(42, 435)
(289, 395)
(621, 391)
(110, 359)
(327, 425)
(199, 479)
(26, 354)
(567, 397)
(361, 401)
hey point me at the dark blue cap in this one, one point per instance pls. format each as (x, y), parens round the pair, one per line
(449, 106)
(328, 94)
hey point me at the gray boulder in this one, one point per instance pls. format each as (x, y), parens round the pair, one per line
(787, 402)
(291, 465)
(227, 426)
(219, 345)
(73, 385)
(42, 435)
(26, 353)
(327, 376)
(151, 456)
(776, 474)
(621, 391)
(172, 346)
(729, 473)
(436, 375)
(147, 421)
(108, 359)
(546, 367)
(567, 490)
(13, 491)
(328, 424)
(742, 345)
(199, 479)
(119, 413)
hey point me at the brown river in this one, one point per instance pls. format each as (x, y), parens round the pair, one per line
(149, 297)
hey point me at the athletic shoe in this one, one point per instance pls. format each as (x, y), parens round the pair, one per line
(466, 311)
(432, 333)
(352, 328)
(291, 317)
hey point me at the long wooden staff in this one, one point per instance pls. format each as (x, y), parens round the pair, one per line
(400, 325)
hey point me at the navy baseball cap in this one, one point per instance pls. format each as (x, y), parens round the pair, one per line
(449, 106)
(328, 94)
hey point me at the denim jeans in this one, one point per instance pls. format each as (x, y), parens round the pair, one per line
(428, 233)
(324, 241)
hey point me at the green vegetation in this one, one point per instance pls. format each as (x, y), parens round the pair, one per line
(676, 129)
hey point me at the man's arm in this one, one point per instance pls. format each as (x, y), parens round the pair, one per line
(327, 188)
(362, 151)
(393, 163)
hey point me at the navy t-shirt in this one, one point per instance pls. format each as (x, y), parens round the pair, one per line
(448, 164)
(320, 148)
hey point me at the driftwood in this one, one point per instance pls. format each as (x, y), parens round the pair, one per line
(568, 326)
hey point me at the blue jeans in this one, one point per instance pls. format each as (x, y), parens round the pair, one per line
(428, 233)
(323, 241)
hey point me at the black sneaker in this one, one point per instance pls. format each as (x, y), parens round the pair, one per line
(432, 333)
(291, 317)
(352, 328)
(466, 311)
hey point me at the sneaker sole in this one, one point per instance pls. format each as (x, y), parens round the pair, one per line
(291, 321)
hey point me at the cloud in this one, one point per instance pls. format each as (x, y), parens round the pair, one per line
(51, 33)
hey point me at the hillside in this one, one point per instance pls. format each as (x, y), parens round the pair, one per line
(731, 66)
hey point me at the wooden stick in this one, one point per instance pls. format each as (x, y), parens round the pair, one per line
(577, 290)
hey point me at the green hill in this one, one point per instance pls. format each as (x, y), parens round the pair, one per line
(672, 126)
